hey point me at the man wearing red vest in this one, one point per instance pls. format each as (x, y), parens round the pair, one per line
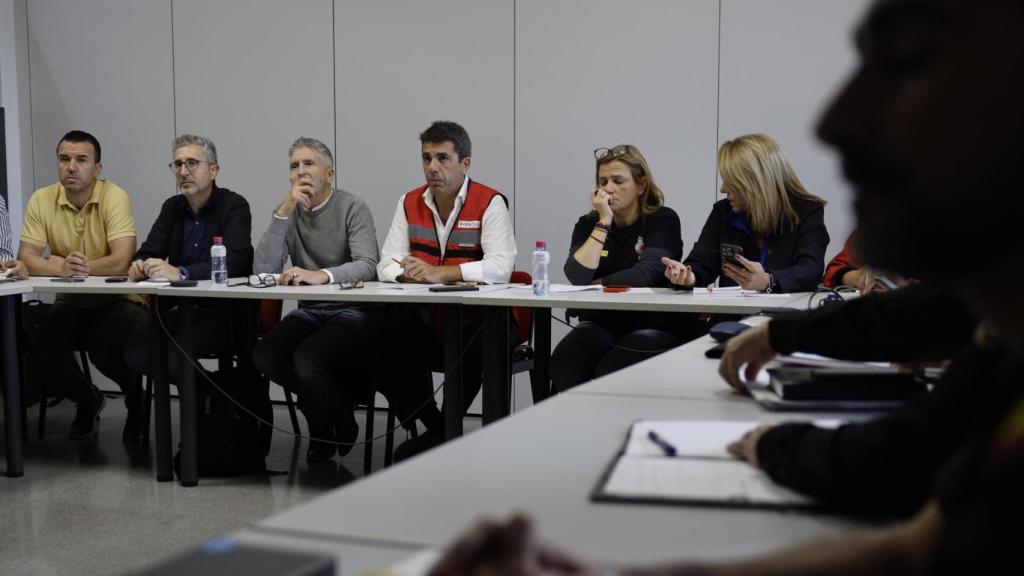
(451, 229)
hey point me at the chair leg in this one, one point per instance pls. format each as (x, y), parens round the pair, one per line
(147, 408)
(371, 407)
(291, 411)
(41, 428)
(389, 442)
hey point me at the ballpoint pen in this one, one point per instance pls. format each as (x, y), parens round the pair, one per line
(665, 445)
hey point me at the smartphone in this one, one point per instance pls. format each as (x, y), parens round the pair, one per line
(730, 252)
(112, 279)
(183, 283)
(454, 288)
(71, 279)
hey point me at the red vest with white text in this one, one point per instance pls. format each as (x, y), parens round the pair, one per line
(463, 243)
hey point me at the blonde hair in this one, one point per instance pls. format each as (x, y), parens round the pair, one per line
(755, 167)
(652, 197)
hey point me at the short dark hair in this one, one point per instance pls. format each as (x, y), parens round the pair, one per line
(80, 136)
(445, 131)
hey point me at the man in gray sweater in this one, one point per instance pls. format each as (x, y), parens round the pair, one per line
(330, 238)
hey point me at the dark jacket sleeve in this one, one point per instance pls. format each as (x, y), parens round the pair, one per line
(157, 244)
(916, 323)
(705, 258)
(577, 273)
(808, 261)
(661, 238)
(889, 465)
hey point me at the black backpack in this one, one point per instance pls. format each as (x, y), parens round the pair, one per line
(230, 440)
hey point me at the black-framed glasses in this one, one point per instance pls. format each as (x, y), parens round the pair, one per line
(257, 281)
(613, 152)
(190, 164)
(350, 285)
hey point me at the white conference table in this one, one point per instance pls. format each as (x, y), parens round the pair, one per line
(545, 461)
(496, 304)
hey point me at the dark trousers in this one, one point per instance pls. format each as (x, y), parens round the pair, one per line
(103, 331)
(138, 351)
(592, 350)
(418, 351)
(306, 354)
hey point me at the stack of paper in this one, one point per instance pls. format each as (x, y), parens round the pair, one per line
(700, 472)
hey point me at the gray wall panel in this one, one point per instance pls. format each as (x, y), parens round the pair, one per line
(253, 75)
(601, 73)
(402, 64)
(781, 61)
(106, 69)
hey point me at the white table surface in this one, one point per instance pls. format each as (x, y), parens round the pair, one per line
(661, 300)
(545, 461)
(91, 285)
(351, 558)
(19, 287)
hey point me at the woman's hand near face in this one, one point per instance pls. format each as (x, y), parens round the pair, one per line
(599, 201)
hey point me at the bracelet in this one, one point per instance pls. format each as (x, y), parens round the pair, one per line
(596, 239)
(601, 226)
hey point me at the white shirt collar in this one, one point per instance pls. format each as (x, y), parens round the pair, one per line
(324, 203)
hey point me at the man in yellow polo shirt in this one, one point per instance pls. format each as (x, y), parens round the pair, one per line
(87, 224)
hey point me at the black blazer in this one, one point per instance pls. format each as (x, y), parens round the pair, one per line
(796, 256)
(228, 216)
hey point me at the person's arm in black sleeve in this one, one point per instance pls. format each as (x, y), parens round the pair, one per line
(157, 244)
(238, 238)
(808, 264)
(917, 323)
(887, 465)
(576, 273)
(662, 238)
(705, 258)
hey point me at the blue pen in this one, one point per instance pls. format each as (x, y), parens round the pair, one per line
(665, 445)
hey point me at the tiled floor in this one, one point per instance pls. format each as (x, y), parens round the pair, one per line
(96, 507)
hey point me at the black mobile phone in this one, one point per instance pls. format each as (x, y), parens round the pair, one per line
(71, 279)
(112, 279)
(183, 283)
(455, 288)
(730, 251)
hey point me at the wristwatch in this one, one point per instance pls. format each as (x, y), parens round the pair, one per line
(183, 272)
(772, 285)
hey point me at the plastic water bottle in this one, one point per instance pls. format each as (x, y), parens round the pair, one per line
(219, 262)
(541, 259)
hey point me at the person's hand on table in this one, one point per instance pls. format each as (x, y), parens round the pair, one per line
(748, 274)
(15, 269)
(417, 270)
(678, 273)
(154, 268)
(746, 447)
(295, 276)
(507, 549)
(751, 347)
(137, 271)
(75, 264)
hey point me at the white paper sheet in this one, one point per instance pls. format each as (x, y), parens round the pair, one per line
(564, 288)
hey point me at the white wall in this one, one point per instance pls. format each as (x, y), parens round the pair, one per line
(781, 61)
(14, 97)
(105, 69)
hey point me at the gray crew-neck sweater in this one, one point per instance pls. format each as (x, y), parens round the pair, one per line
(338, 237)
